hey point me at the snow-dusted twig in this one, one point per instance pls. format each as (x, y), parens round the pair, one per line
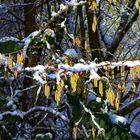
(46, 109)
(85, 131)
(23, 115)
(26, 89)
(100, 130)
(130, 106)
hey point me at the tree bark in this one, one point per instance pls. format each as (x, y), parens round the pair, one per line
(29, 15)
(94, 42)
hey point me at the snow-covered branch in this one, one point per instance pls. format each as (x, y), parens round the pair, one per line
(46, 109)
(23, 115)
(129, 107)
(100, 130)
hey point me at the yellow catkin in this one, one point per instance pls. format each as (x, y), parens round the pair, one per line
(93, 130)
(101, 88)
(16, 73)
(110, 96)
(122, 72)
(75, 128)
(107, 70)
(10, 61)
(94, 24)
(115, 2)
(57, 96)
(94, 5)
(58, 91)
(95, 82)
(110, 1)
(138, 71)
(0, 58)
(137, 4)
(62, 83)
(66, 60)
(119, 86)
(117, 102)
(44, 37)
(132, 72)
(47, 90)
(123, 87)
(73, 80)
(133, 87)
(18, 58)
(22, 58)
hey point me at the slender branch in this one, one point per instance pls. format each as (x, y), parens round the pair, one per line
(23, 115)
(46, 109)
(129, 107)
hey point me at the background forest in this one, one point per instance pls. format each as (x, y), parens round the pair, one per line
(69, 69)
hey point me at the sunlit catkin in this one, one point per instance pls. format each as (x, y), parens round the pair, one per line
(107, 70)
(132, 72)
(47, 90)
(117, 102)
(75, 128)
(73, 80)
(93, 130)
(122, 72)
(101, 88)
(110, 96)
(138, 71)
(10, 61)
(16, 73)
(94, 24)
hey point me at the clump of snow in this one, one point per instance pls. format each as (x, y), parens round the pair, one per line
(75, 3)
(40, 68)
(63, 23)
(98, 99)
(39, 73)
(115, 119)
(71, 53)
(6, 39)
(4, 60)
(48, 45)
(3, 9)
(10, 103)
(28, 40)
(132, 63)
(53, 14)
(49, 32)
(62, 6)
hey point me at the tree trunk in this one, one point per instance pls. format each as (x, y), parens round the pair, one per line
(29, 15)
(93, 36)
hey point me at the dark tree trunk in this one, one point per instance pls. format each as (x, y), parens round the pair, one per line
(94, 42)
(29, 15)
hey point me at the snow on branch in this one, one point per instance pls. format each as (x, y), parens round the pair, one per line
(35, 34)
(129, 107)
(23, 115)
(100, 130)
(46, 109)
(14, 113)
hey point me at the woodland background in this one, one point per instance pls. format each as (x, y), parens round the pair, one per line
(69, 69)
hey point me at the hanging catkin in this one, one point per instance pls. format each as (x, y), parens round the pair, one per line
(73, 80)
(47, 90)
(101, 88)
(132, 72)
(110, 96)
(10, 61)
